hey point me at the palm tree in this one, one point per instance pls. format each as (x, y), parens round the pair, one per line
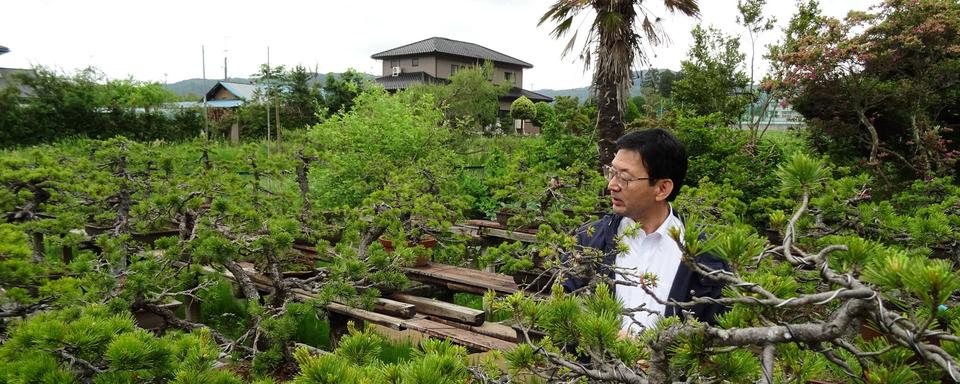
(618, 47)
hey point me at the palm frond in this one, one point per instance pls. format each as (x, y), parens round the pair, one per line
(686, 7)
(570, 44)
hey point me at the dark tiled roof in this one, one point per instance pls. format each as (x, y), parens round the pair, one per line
(405, 80)
(515, 93)
(452, 47)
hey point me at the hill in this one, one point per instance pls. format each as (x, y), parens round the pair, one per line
(583, 92)
(197, 87)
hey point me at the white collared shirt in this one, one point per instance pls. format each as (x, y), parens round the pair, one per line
(656, 253)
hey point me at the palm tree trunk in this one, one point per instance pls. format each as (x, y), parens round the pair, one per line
(610, 124)
(612, 79)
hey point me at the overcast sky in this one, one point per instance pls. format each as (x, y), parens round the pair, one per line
(162, 40)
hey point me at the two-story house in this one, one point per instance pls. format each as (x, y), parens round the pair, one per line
(437, 58)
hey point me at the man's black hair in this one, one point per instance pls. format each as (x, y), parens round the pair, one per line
(662, 153)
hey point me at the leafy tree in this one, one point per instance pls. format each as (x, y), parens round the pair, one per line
(633, 109)
(87, 104)
(661, 80)
(616, 46)
(522, 108)
(304, 99)
(381, 134)
(339, 91)
(750, 16)
(131, 94)
(712, 79)
(888, 74)
(470, 101)
(287, 94)
(544, 113)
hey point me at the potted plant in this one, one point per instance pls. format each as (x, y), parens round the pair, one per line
(415, 209)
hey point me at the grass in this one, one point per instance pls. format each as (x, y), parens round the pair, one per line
(470, 300)
(222, 311)
(396, 351)
(789, 141)
(480, 147)
(314, 332)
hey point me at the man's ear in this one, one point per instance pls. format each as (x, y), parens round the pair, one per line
(664, 188)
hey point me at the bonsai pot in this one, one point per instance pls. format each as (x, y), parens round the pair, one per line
(151, 321)
(429, 243)
(93, 230)
(503, 217)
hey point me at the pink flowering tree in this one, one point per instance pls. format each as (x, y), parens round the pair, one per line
(889, 75)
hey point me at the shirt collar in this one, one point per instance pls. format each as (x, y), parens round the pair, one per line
(671, 221)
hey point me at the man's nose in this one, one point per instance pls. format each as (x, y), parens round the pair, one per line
(612, 184)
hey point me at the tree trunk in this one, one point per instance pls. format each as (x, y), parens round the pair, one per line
(613, 77)
(302, 170)
(921, 154)
(874, 138)
(249, 291)
(37, 238)
(610, 124)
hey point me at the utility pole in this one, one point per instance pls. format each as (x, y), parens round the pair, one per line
(225, 50)
(268, 94)
(206, 128)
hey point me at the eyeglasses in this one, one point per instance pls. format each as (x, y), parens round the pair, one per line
(609, 172)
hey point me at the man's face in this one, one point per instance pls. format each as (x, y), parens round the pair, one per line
(635, 198)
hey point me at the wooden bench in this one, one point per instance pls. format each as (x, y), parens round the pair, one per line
(461, 325)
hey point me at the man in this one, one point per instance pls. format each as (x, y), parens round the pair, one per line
(644, 177)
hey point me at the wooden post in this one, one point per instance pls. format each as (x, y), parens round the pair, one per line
(235, 133)
(191, 305)
(191, 309)
(66, 253)
(338, 327)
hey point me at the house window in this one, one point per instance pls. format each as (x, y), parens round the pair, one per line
(395, 63)
(508, 76)
(415, 62)
(454, 68)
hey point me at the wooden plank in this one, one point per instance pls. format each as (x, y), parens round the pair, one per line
(478, 281)
(493, 229)
(394, 308)
(509, 235)
(373, 317)
(471, 274)
(459, 336)
(442, 309)
(313, 350)
(463, 274)
(309, 250)
(500, 331)
(465, 230)
(482, 223)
